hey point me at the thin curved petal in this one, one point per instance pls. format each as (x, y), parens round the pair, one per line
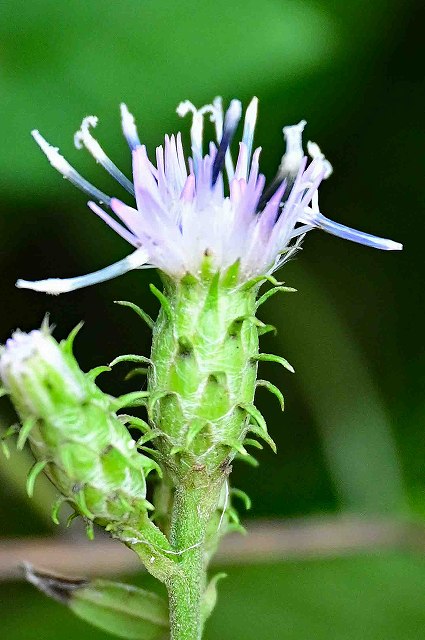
(55, 286)
(347, 233)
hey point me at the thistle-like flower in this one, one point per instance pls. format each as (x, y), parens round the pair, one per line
(207, 206)
(216, 232)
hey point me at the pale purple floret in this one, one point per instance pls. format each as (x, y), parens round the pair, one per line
(207, 205)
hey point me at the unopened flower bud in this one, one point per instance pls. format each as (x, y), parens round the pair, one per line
(73, 430)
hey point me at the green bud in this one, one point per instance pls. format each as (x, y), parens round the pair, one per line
(74, 433)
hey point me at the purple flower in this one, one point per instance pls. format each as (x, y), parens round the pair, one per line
(207, 205)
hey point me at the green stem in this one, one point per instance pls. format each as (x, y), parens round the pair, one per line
(193, 507)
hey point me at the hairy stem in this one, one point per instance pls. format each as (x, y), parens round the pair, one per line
(193, 507)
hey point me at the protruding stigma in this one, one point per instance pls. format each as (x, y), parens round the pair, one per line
(249, 125)
(55, 286)
(129, 127)
(231, 121)
(83, 138)
(60, 164)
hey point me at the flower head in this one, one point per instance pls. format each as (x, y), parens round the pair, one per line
(207, 205)
(35, 370)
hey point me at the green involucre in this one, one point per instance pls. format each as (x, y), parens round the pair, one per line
(204, 354)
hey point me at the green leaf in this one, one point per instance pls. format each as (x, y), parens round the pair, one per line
(267, 328)
(134, 422)
(236, 325)
(149, 435)
(94, 373)
(211, 300)
(236, 445)
(253, 443)
(33, 475)
(5, 449)
(165, 303)
(271, 357)
(24, 432)
(142, 314)
(248, 459)
(68, 343)
(56, 508)
(132, 399)
(156, 397)
(260, 280)
(260, 433)
(130, 357)
(242, 496)
(10, 431)
(230, 277)
(271, 292)
(209, 599)
(274, 390)
(255, 414)
(120, 609)
(137, 371)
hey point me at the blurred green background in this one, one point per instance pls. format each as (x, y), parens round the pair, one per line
(352, 437)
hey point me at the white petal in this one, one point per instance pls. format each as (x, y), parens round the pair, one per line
(55, 286)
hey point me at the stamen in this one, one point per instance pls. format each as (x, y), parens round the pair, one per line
(129, 127)
(60, 164)
(299, 231)
(314, 217)
(249, 125)
(231, 121)
(315, 153)
(83, 138)
(55, 286)
(290, 163)
(116, 226)
(360, 237)
(196, 130)
(216, 110)
(294, 150)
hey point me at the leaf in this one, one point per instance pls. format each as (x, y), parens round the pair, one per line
(274, 390)
(132, 399)
(134, 422)
(260, 433)
(242, 496)
(142, 314)
(230, 277)
(271, 292)
(68, 343)
(120, 609)
(130, 357)
(248, 459)
(255, 414)
(209, 599)
(33, 475)
(137, 371)
(24, 432)
(165, 303)
(271, 357)
(94, 373)
(260, 280)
